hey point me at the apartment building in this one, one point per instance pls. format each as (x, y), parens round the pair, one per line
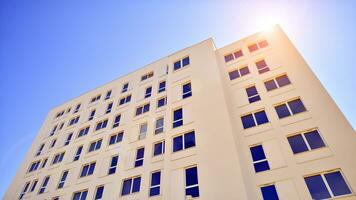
(246, 121)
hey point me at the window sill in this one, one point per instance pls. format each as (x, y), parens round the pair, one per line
(313, 155)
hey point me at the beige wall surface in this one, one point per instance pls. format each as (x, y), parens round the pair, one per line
(222, 151)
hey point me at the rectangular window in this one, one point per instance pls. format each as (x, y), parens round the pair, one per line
(63, 179)
(24, 190)
(262, 66)
(234, 74)
(44, 162)
(81, 195)
(131, 185)
(99, 193)
(161, 102)
(34, 184)
(58, 158)
(142, 109)
(290, 108)
(162, 86)
(232, 56)
(181, 63)
(260, 162)
(155, 185)
(252, 94)
(77, 108)
(108, 95)
(73, 121)
(148, 92)
(44, 185)
(69, 138)
(254, 119)
(34, 166)
(108, 109)
(113, 164)
(306, 141)
(269, 192)
(95, 145)
(39, 151)
(139, 157)
(116, 121)
(184, 141)
(53, 143)
(91, 116)
(61, 126)
(143, 131)
(116, 138)
(277, 82)
(327, 185)
(96, 98)
(87, 169)
(77, 154)
(191, 182)
(125, 87)
(147, 76)
(177, 118)
(83, 131)
(187, 90)
(159, 126)
(259, 45)
(53, 130)
(158, 148)
(101, 124)
(125, 99)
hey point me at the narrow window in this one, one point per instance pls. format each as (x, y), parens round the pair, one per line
(260, 162)
(116, 138)
(24, 190)
(83, 131)
(95, 145)
(262, 66)
(53, 130)
(77, 154)
(131, 185)
(187, 90)
(191, 182)
(108, 95)
(77, 108)
(254, 119)
(101, 124)
(181, 63)
(34, 184)
(125, 87)
(306, 141)
(113, 164)
(177, 118)
(143, 131)
(44, 162)
(99, 193)
(253, 47)
(44, 185)
(327, 185)
(142, 109)
(238, 73)
(184, 141)
(229, 57)
(158, 148)
(91, 116)
(116, 121)
(237, 54)
(125, 100)
(87, 169)
(252, 94)
(39, 151)
(73, 121)
(162, 86)
(147, 76)
(58, 158)
(161, 102)
(269, 192)
(81, 195)
(159, 126)
(63, 179)
(290, 108)
(155, 185)
(108, 109)
(69, 138)
(139, 157)
(148, 92)
(53, 143)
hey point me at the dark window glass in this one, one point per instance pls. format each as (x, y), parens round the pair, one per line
(155, 183)
(234, 74)
(257, 153)
(261, 117)
(261, 166)
(161, 102)
(91, 169)
(270, 85)
(185, 61)
(269, 193)
(317, 187)
(178, 118)
(244, 71)
(283, 80)
(314, 139)
(252, 94)
(99, 193)
(297, 144)
(189, 140)
(248, 121)
(238, 54)
(177, 65)
(262, 66)
(113, 164)
(187, 90)
(162, 86)
(282, 111)
(296, 106)
(139, 157)
(337, 183)
(136, 184)
(253, 47)
(158, 149)
(146, 108)
(126, 187)
(229, 57)
(148, 92)
(177, 143)
(191, 182)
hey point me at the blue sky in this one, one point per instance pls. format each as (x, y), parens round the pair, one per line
(52, 51)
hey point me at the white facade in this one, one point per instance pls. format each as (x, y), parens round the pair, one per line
(304, 136)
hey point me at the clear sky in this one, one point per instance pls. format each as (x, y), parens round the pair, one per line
(54, 50)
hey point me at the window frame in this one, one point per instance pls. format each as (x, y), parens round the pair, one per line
(306, 142)
(290, 111)
(62, 179)
(185, 180)
(111, 166)
(138, 159)
(162, 150)
(177, 121)
(159, 129)
(155, 186)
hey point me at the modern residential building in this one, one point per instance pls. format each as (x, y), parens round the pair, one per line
(246, 121)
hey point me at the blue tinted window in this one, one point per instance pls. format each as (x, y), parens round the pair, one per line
(296, 106)
(177, 143)
(187, 90)
(158, 149)
(282, 111)
(185, 61)
(261, 117)
(136, 184)
(126, 187)
(314, 139)
(297, 144)
(234, 74)
(269, 193)
(270, 85)
(178, 118)
(337, 184)
(189, 140)
(155, 183)
(91, 169)
(191, 182)
(257, 153)
(244, 71)
(252, 94)
(161, 102)
(177, 65)
(229, 57)
(261, 166)
(84, 171)
(283, 80)
(99, 193)
(317, 187)
(248, 121)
